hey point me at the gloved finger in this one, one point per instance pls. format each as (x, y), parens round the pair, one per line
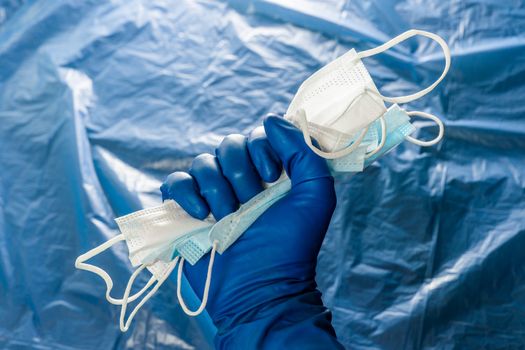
(263, 156)
(300, 163)
(238, 168)
(183, 189)
(213, 186)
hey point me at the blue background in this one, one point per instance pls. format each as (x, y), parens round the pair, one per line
(99, 101)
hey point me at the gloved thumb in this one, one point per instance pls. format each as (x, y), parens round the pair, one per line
(299, 161)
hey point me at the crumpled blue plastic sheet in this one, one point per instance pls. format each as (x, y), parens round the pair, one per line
(99, 101)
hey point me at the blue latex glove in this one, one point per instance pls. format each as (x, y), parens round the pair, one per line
(263, 292)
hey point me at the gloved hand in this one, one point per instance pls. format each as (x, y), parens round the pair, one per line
(263, 292)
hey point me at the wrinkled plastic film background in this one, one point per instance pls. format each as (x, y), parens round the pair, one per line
(99, 101)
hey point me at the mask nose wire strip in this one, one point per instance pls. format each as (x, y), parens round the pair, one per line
(124, 326)
(400, 38)
(303, 123)
(383, 138)
(81, 265)
(206, 285)
(431, 117)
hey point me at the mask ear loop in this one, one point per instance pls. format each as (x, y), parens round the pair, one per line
(400, 38)
(407, 98)
(431, 117)
(206, 284)
(303, 125)
(81, 265)
(124, 326)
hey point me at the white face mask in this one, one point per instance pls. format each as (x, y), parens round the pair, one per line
(340, 101)
(339, 105)
(152, 236)
(337, 100)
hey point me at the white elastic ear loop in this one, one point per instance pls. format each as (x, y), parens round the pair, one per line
(402, 37)
(303, 125)
(431, 117)
(81, 265)
(206, 285)
(124, 326)
(383, 138)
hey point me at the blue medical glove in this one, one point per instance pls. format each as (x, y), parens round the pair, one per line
(263, 292)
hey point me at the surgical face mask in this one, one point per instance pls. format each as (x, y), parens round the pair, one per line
(341, 99)
(152, 234)
(154, 237)
(339, 106)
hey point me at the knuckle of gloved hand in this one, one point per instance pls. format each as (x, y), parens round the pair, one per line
(232, 156)
(257, 134)
(171, 183)
(177, 177)
(202, 165)
(273, 115)
(231, 145)
(232, 141)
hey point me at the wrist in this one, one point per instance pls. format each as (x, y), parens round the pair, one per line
(277, 323)
(256, 300)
